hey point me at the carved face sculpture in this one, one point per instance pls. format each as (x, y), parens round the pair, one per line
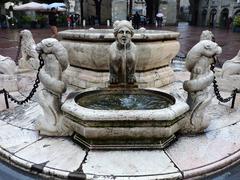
(124, 35)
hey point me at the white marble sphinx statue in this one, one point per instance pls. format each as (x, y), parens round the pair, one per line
(122, 54)
(55, 62)
(200, 91)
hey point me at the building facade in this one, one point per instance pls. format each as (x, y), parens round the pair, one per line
(113, 10)
(216, 13)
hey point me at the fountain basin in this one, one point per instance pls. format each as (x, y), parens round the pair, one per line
(124, 129)
(89, 56)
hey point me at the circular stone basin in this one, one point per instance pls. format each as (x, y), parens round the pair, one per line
(89, 48)
(124, 100)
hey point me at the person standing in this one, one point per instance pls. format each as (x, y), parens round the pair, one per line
(136, 20)
(53, 22)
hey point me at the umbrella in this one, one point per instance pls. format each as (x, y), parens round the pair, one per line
(31, 6)
(159, 14)
(56, 5)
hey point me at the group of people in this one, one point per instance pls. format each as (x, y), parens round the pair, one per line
(73, 20)
(136, 19)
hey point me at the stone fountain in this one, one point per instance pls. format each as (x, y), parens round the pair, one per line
(122, 115)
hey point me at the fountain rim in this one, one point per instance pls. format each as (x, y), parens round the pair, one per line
(166, 114)
(107, 35)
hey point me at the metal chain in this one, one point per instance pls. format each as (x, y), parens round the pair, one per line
(215, 86)
(18, 50)
(35, 86)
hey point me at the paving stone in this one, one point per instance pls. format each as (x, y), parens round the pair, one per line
(196, 151)
(13, 138)
(58, 153)
(127, 163)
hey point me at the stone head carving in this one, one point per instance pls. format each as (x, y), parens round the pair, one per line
(29, 58)
(205, 49)
(52, 46)
(122, 54)
(207, 35)
(123, 31)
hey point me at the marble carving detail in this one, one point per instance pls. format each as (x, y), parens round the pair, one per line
(199, 88)
(207, 35)
(122, 54)
(231, 67)
(56, 61)
(29, 58)
(7, 66)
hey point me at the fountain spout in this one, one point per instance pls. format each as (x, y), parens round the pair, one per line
(122, 56)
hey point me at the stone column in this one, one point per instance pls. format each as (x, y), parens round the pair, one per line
(119, 10)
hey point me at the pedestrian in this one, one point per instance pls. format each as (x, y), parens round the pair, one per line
(159, 18)
(229, 22)
(69, 21)
(136, 20)
(72, 20)
(2, 19)
(52, 17)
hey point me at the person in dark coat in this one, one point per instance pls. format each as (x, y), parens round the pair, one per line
(136, 20)
(52, 17)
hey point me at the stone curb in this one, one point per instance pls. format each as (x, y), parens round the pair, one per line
(31, 167)
(49, 172)
(214, 167)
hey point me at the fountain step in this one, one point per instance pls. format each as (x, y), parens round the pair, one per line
(123, 144)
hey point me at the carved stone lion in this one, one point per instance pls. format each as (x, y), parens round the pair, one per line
(7, 66)
(198, 61)
(55, 62)
(122, 54)
(29, 58)
(207, 35)
(232, 67)
(200, 92)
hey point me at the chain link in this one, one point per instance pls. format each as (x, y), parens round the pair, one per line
(35, 86)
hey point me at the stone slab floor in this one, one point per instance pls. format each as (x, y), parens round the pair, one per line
(58, 157)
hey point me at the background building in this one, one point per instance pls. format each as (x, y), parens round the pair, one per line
(96, 12)
(121, 9)
(216, 13)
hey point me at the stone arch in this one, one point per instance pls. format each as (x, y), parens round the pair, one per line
(224, 18)
(212, 17)
(237, 12)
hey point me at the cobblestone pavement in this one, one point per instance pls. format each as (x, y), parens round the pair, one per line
(229, 41)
